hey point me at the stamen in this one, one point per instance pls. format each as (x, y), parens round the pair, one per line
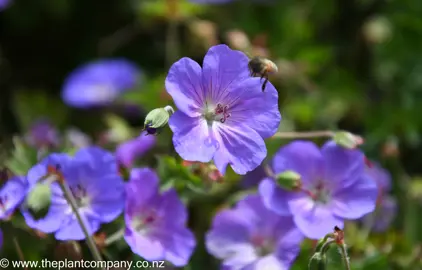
(222, 110)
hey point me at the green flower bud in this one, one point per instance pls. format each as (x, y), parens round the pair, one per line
(347, 140)
(289, 180)
(39, 199)
(317, 262)
(157, 119)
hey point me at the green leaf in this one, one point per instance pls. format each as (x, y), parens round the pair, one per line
(23, 157)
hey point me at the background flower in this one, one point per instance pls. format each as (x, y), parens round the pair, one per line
(156, 223)
(127, 152)
(11, 195)
(100, 82)
(93, 179)
(4, 4)
(386, 208)
(252, 237)
(43, 134)
(335, 187)
(223, 113)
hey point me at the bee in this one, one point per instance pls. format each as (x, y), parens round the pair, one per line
(262, 66)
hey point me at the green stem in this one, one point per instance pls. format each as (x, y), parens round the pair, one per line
(304, 135)
(89, 240)
(114, 237)
(345, 256)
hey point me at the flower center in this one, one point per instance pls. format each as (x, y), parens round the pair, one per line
(263, 245)
(320, 193)
(80, 195)
(144, 222)
(219, 113)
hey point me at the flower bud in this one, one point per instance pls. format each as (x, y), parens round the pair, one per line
(38, 200)
(289, 180)
(157, 119)
(347, 140)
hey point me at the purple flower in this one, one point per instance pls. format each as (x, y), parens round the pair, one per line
(92, 176)
(100, 82)
(43, 134)
(335, 187)
(223, 113)
(386, 208)
(11, 195)
(156, 223)
(129, 151)
(252, 237)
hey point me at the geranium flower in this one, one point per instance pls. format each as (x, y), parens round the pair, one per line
(156, 223)
(250, 236)
(92, 176)
(100, 82)
(335, 187)
(223, 113)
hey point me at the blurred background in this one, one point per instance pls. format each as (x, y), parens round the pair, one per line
(354, 65)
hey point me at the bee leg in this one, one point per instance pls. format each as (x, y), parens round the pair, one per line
(264, 84)
(262, 77)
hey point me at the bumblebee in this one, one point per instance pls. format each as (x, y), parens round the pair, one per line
(262, 66)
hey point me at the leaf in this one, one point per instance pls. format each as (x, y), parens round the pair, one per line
(23, 157)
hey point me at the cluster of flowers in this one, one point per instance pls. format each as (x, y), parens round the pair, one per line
(223, 116)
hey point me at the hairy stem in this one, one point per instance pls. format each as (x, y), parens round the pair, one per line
(304, 135)
(89, 240)
(345, 256)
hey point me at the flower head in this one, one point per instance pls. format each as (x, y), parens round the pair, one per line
(92, 176)
(11, 195)
(250, 236)
(43, 134)
(100, 82)
(223, 113)
(335, 187)
(386, 208)
(156, 223)
(129, 151)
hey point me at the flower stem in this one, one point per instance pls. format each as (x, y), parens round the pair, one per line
(89, 240)
(303, 135)
(344, 256)
(19, 250)
(115, 237)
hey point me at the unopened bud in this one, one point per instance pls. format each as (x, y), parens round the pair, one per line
(38, 200)
(289, 180)
(347, 140)
(157, 119)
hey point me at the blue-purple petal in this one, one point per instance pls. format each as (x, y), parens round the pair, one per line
(274, 197)
(184, 84)
(192, 137)
(303, 157)
(241, 147)
(356, 200)
(222, 69)
(342, 167)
